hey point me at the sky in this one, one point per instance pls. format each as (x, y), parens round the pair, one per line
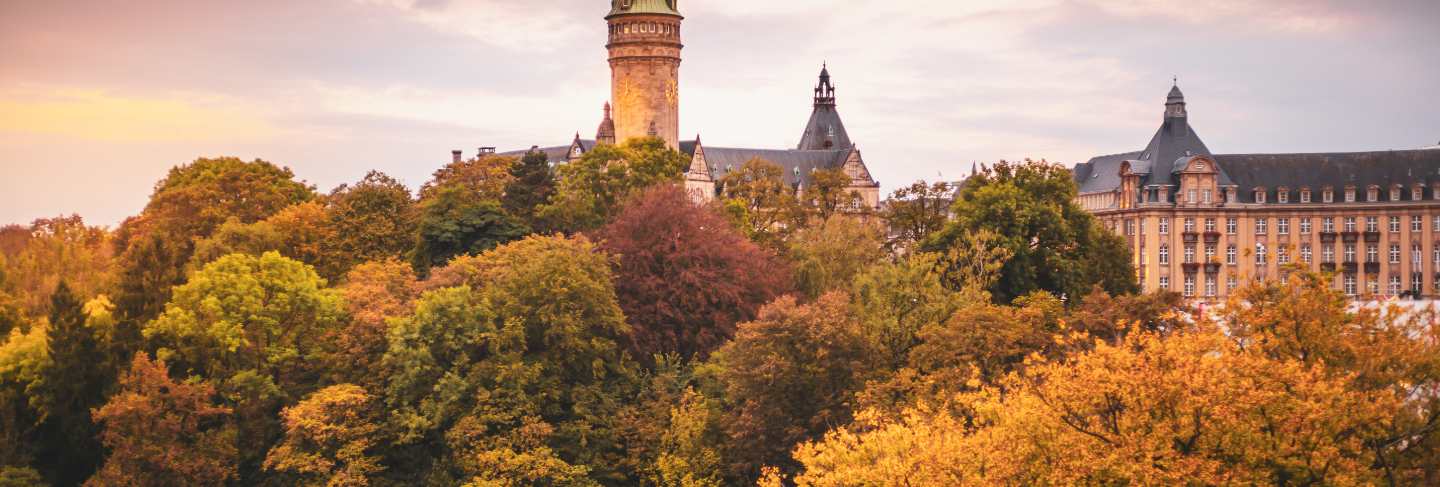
(100, 98)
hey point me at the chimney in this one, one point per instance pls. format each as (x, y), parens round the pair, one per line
(455, 156)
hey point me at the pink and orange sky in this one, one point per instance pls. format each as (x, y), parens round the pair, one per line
(99, 98)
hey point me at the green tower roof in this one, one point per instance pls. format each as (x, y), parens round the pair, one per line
(624, 7)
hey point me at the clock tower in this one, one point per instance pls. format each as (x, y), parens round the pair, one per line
(644, 50)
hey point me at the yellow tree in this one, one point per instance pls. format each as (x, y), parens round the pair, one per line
(1187, 409)
(328, 439)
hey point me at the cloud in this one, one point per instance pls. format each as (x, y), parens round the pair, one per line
(95, 114)
(532, 26)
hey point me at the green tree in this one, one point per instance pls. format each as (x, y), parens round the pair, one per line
(1053, 244)
(916, 211)
(254, 326)
(164, 433)
(189, 204)
(65, 392)
(486, 178)
(531, 187)
(894, 301)
(830, 194)
(788, 377)
(829, 255)
(329, 439)
(24, 358)
(301, 232)
(591, 189)
(517, 369)
(371, 220)
(59, 249)
(758, 200)
(454, 222)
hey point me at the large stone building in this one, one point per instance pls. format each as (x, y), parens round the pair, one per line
(1201, 223)
(644, 51)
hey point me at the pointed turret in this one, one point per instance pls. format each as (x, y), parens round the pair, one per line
(606, 133)
(825, 131)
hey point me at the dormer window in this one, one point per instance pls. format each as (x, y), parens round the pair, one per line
(1395, 193)
(1372, 194)
(1349, 194)
(1417, 193)
(1282, 195)
(1328, 195)
(1304, 195)
(1260, 195)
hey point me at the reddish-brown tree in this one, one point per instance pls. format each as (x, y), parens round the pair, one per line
(684, 275)
(161, 432)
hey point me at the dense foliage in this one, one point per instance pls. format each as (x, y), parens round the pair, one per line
(514, 324)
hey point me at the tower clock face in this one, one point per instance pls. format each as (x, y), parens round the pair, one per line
(672, 92)
(626, 95)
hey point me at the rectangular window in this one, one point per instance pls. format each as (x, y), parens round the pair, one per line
(1350, 196)
(1395, 284)
(1372, 285)
(1205, 196)
(1231, 283)
(1165, 283)
(1260, 224)
(1283, 196)
(1394, 254)
(1416, 257)
(1435, 225)
(1350, 253)
(1372, 253)
(1372, 224)
(1189, 285)
(1190, 196)
(1350, 284)
(1231, 224)
(1209, 252)
(1394, 224)
(1129, 227)
(1327, 254)
(1282, 226)
(1164, 254)
(1415, 284)
(1305, 253)
(1327, 225)
(1349, 224)
(1328, 196)
(1282, 254)
(1209, 225)
(1305, 226)
(1230, 254)
(1259, 254)
(1416, 224)
(1164, 226)
(1210, 287)
(1189, 253)
(1189, 225)
(1304, 196)
(1259, 196)
(1417, 193)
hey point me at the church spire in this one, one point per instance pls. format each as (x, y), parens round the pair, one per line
(606, 133)
(824, 92)
(1175, 101)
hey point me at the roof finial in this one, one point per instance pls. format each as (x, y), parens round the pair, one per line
(1175, 81)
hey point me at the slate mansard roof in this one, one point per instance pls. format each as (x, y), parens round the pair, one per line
(1176, 142)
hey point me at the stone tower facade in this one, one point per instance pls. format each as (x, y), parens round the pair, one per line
(644, 50)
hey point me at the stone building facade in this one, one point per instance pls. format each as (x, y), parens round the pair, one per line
(1201, 224)
(644, 47)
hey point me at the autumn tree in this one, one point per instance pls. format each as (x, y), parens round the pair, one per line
(684, 277)
(829, 194)
(1192, 407)
(329, 439)
(455, 222)
(252, 325)
(59, 249)
(24, 359)
(189, 204)
(532, 184)
(486, 177)
(1052, 243)
(374, 293)
(301, 232)
(788, 377)
(66, 390)
(164, 432)
(591, 189)
(11, 476)
(894, 301)
(828, 255)
(515, 372)
(916, 211)
(373, 219)
(758, 200)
